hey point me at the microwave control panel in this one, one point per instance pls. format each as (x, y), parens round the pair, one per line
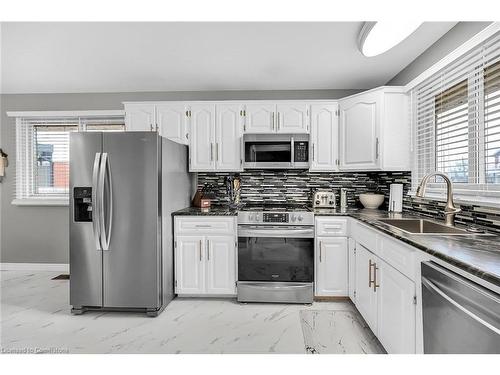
(301, 151)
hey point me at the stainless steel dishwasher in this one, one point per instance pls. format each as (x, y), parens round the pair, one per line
(459, 316)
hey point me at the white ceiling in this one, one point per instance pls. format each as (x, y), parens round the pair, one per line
(119, 57)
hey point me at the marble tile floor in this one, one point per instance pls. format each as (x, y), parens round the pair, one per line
(35, 316)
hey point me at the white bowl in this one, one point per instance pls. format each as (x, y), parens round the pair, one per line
(370, 200)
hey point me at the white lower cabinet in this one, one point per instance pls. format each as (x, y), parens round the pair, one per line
(331, 267)
(189, 265)
(221, 265)
(385, 299)
(205, 265)
(396, 310)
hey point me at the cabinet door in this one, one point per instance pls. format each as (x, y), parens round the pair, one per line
(171, 119)
(324, 137)
(366, 297)
(228, 131)
(359, 132)
(221, 265)
(331, 266)
(140, 117)
(202, 138)
(292, 118)
(396, 310)
(189, 265)
(260, 118)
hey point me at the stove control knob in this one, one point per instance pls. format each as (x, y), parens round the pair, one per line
(293, 217)
(317, 202)
(250, 217)
(300, 218)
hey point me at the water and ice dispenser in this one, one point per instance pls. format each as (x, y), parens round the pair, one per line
(82, 201)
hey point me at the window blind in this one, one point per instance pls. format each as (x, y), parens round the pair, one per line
(456, 123)
(42, 168)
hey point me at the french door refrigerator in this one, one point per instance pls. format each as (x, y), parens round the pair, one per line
(123, 188)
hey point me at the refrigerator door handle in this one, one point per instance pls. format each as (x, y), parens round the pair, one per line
(95, 203)
(105, 179)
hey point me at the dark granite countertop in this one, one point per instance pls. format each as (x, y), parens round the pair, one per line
(476, 254)
(212, 211)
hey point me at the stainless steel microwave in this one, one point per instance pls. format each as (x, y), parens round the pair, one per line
(275, 151)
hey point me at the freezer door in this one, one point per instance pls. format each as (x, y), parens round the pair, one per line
(84, 253)
(131, 220)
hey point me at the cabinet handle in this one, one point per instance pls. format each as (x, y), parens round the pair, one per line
(375, 285)
(370, 281)
(151, 127)
(312, 151)
(278, 121)
(320, 251)
(211, 152)
(208, 249)
(272, 116)
(376, 148)
(200, 250)
(217, 151)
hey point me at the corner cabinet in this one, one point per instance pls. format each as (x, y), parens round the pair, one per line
(375, 130)
(205, 255)
(169, 119)
(324, 138)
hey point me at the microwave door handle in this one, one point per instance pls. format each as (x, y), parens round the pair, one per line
(433, 288)
(95, 202)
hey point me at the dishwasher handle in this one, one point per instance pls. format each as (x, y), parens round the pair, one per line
(433, 288)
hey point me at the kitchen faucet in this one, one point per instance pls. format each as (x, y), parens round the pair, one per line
(449, 210)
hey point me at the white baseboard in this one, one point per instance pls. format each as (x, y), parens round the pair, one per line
(59, 267)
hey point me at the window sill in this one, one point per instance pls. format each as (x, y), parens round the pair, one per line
(41, 202)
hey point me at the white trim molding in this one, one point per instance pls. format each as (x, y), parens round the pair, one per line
(455, 54)
(56, 267)
(96, 113)
(63, 202)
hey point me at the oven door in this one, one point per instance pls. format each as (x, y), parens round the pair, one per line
(276, 253)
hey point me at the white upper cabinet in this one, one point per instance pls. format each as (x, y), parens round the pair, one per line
(324, 138)
(292, 118)
(375, 130)
(172, 121)
(140, 117)
(359, 132)
(228, 131)
(260, 118)
(331, 278)
(202, 148)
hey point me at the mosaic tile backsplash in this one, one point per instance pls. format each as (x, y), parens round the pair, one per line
(291, 186)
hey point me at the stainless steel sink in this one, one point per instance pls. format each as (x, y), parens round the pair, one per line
(422, 226)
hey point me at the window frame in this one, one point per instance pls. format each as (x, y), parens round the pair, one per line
(476, 191)
(25, 149)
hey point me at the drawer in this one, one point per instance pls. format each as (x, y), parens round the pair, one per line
(365, 236)
(398, 255)
(205, 225)
(329, 226)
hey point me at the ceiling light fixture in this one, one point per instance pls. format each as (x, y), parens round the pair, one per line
(378, 37)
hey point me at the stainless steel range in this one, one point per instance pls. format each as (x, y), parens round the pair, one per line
(275, 254)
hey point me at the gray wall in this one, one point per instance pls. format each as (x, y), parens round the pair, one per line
(459, 34)
(40, 234)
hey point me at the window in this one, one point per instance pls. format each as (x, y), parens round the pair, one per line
(42, 170)
(456, 125)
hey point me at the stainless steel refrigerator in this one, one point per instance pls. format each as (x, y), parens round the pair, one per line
(123, 188)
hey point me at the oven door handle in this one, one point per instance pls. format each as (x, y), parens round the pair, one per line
(268, 286)
(293, 233)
